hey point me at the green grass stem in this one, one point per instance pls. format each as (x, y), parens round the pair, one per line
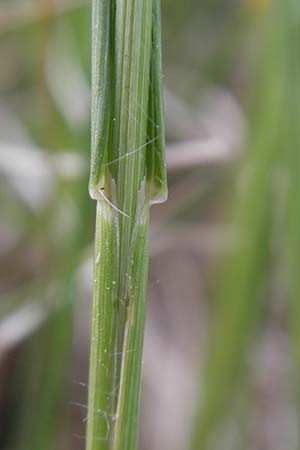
(128, 174)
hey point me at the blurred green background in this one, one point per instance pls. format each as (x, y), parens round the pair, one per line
(221, 360)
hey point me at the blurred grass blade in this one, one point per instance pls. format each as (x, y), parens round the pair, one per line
(127, 174)
(243, 286)
(288, 14)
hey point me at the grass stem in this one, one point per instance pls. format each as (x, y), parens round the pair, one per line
(128, 174)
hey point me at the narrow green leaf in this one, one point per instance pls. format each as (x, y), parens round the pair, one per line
(100, 96)
(156, 164)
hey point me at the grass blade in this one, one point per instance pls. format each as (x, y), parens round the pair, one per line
(242, 291)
